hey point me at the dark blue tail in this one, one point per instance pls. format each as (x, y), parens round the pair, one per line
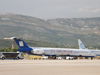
(21, 43)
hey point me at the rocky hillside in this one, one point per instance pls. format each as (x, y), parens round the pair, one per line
(60, 30)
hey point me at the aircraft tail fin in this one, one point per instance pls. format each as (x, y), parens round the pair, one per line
(20, 43)
(81, 45)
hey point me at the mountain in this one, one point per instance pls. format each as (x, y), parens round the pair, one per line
(64, 31)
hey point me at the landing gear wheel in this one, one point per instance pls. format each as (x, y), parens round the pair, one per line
(17, 58)
(91, 58)
(3, 58)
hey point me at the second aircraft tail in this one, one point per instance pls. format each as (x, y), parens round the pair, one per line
(81, 46)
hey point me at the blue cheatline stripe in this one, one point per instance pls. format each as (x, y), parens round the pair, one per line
(63, 55)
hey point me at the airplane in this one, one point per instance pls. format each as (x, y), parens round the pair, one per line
(53, 52)
(81, 46)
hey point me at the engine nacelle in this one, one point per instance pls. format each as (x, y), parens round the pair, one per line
(37, 51)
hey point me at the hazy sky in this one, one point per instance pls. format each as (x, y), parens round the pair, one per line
(47, 9)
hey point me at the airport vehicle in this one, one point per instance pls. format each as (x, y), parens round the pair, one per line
(23, 47)
(60, 57)
(11, 55)
(44, 57)
(69, 58)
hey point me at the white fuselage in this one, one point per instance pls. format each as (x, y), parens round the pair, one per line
(64, 51)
